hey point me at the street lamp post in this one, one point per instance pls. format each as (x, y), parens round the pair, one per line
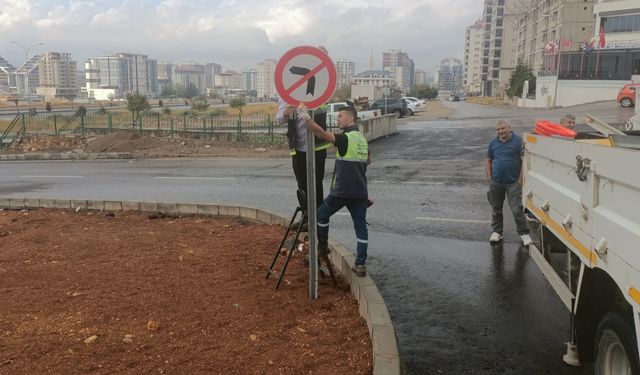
(26, 60)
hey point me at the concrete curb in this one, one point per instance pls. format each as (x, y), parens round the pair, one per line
(386, 359)
(66, 156)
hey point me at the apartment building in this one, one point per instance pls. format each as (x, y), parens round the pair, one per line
(473, 54)
(189, 73)
(450, 77)
(345, 70)
(164, 75)
(210, 71)
(419, 77)
(265, 78)
(57, 76)
(250, 80)
(401, 66)
(546, 28)
(498, 52)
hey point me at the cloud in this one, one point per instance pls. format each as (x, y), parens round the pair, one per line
(240, 33)
(13, 13)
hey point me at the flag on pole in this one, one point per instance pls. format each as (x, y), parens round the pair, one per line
(601, 41)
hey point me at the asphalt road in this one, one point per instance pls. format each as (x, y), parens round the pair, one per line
(459, 306)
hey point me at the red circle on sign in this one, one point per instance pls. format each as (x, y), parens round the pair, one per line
(325, 63)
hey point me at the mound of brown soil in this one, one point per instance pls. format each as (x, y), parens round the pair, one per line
(91, 293)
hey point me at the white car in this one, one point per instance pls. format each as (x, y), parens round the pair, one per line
(414, 105)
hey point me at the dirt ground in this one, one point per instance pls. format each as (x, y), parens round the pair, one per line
(435, 110)
(145, 146)
(101, 293)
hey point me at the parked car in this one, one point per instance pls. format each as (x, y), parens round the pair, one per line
(414, 105)
(391, 105)
(627, 94)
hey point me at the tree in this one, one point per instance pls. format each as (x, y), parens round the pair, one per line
(342, 93)
(237, 104)
(81, 111)
(47, 106)
(423, 91)
(522, 73)
(199, 104)
(191, 91)
(168, 92)
(137, 103)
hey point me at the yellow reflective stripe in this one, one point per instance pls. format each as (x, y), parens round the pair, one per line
(292, 151)
(532, 139)
(322, 147)
(634, 294)
(562, 232)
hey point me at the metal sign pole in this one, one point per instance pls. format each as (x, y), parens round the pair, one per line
(311, 212)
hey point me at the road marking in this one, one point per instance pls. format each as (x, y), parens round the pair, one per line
(194, 178)
(454, 220)
(423, 183)
(51, 176)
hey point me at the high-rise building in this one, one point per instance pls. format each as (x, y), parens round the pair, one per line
(7, 76)
(419, 77)
(499, 58)
(57, 76)
(473, 53)
(164, 75)
(91, 76)
(401, 66)
(210, 71)
(152, 77)
(450, 77)
(189, 73)
(249, 80)
(345, 70)
(229, 80)
(265, 78)
(126, 73)
(137, 69)
(549, 27)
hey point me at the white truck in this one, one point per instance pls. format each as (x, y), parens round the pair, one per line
(583, 196)
(334, 108)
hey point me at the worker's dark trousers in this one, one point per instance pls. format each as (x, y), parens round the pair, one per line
(299, 162)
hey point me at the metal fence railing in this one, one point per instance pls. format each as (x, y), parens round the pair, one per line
(257, 128)
(247, 127)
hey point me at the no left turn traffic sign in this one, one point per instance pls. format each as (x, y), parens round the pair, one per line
(305, 74)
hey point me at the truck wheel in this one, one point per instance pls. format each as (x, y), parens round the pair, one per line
(626, 102)
(616, 351)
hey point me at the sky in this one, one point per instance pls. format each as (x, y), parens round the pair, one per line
(238, 34)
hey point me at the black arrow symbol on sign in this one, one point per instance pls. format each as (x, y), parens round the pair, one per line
(311, 83)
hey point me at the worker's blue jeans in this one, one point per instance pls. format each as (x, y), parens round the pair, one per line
(358, 210)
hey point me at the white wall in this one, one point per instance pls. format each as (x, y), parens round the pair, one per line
(571, 92)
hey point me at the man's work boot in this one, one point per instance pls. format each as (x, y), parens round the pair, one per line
(359, 270)
(323, 249)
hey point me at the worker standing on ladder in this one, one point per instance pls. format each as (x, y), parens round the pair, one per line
(349, 183)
